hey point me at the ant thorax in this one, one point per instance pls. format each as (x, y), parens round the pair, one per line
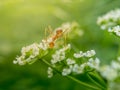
(55, 36)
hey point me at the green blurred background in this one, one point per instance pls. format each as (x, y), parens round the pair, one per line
(22, 22)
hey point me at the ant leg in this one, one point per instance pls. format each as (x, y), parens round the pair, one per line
(50, 30)
(45, 34)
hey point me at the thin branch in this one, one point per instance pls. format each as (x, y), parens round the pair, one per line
(70, 77)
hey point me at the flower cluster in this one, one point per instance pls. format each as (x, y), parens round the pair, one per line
(115, 30)
(35, 51)
(94, 63)
(77, 68)
(109, 20)
(86, 54)
(76, 64)
(31, 53)
(59, 55)
(112, 71)
(50, 72)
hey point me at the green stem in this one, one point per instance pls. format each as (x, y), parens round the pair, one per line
(82, 83)
(72, 78)
(95, 82)
(99, 78)
(118, 53)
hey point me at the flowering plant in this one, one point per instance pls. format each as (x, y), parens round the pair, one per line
(64, 59)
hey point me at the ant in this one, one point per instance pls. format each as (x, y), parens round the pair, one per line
(54, 36)
(59, 33)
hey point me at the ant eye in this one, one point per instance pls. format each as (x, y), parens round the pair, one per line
(59, 31)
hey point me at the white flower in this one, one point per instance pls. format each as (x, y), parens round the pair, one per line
(78, 55)
(66, 71)
(116, 30)
(110, 22)
(15, 62)
(50, 72)
(90, 53)
(110, 19)
(32, 49)
(59, 55)
(94, 63)
(20, 60)
(70, 61)
(85, 54)
(115, 65)
(112, 71)
(29, 53)
(44, 45)
(108, 72)
(78, 69)
(110, 30)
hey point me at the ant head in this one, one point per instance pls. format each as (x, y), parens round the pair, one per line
(58, 31)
